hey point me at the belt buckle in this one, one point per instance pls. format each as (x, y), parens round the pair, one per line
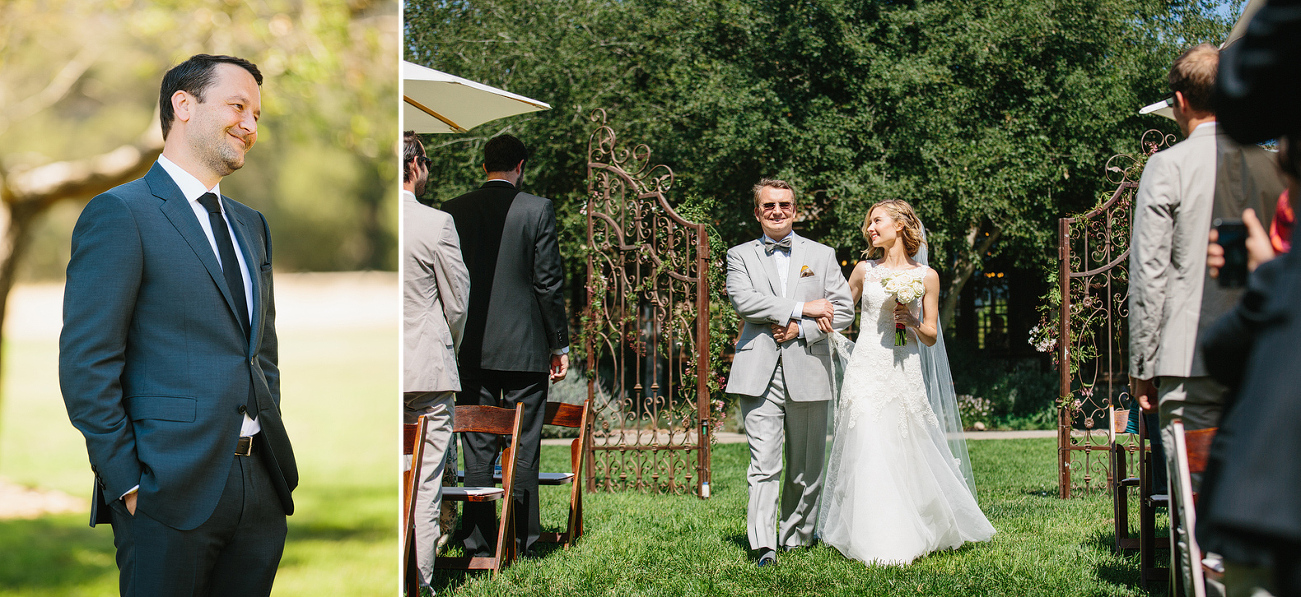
(245, 446)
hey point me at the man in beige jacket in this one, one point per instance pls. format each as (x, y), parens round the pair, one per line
(1171, 298)
(435, 289)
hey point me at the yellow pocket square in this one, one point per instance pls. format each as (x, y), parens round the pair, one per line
(806, 271)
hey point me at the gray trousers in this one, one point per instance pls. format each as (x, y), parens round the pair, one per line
(1199, 402)
(438, 409)
(774, 422)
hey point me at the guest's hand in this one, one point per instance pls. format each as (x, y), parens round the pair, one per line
(819, 308)
(786, 333)
(129, 500)
(904, 316)
(1259, 249)
(1145, 391)
(559, 367)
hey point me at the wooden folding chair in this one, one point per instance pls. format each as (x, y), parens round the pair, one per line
(502, 422)
(572, 416)
(1149, 500)
(1192, 449)
(413, 447)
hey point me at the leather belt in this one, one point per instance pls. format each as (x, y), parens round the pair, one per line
(245, 446)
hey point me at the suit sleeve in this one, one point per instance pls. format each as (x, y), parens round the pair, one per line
(1149, 263)
(837, 292)
(269, 354)
(549, 280)
(453, 280)
(752, 305)
(103, 280)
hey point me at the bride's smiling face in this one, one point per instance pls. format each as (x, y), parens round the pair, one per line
(882, 229)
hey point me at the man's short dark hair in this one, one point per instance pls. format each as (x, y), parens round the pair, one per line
(503, 153)
(411, 149)
(1193, 74)
(771, 183)
(193, 77)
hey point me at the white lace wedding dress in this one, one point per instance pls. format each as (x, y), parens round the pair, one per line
(893, 490)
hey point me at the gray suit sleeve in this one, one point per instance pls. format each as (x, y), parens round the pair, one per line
(453, 280)
(99, 297)
(837, 291)
(1149, 263)
(549, 280)
(751, 305)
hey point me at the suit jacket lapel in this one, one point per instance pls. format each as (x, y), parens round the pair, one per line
(253, 265)
(178, 212)
(796, 261)
(769, 269)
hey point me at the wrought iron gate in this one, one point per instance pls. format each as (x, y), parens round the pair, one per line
(1093, 333)
(645, 327)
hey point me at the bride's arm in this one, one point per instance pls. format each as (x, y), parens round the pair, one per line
(856, 280)
(927, 328)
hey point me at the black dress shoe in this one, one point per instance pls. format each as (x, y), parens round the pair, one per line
(767, 557)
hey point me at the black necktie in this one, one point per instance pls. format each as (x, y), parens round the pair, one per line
(229, 263)
(770, 245)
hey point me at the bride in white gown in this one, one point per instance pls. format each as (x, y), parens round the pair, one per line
(894, 488)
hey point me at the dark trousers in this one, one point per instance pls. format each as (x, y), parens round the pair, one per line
(235, 552)
(506, 389)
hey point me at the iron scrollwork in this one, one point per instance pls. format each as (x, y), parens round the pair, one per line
(1093, 335)
(645, 327)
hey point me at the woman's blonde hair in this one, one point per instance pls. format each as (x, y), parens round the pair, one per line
(902, 212)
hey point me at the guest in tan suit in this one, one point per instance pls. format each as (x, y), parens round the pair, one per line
(1172, 299)
(435, 288)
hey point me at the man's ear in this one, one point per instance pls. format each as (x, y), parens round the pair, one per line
(183, 105)
(1181, 101)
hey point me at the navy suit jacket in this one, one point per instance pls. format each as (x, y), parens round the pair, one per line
(154, 366)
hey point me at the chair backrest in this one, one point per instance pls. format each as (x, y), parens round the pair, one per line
(564, 415)
(409, 434)
(484, 419)
(1198, 443)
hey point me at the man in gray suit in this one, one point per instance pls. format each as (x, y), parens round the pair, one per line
(790, 293)
(516, 331)
(435, 288)
(1172, 299)
(168, 354)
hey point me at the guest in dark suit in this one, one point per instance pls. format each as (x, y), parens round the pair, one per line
(167, 358)
(516, 333)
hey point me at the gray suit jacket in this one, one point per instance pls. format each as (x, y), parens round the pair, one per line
(1171, 298)
(755, 290)
(435, 288)
(155, 368)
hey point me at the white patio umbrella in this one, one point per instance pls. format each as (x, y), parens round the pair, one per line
(1165, 107)
(436, 102)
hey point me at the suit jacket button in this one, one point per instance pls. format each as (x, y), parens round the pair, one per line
(252, 360)
(240, 409)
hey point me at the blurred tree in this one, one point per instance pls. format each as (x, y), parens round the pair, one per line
(992, 118)
(78, 115)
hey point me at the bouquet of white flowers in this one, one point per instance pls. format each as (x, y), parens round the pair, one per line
(906, 288)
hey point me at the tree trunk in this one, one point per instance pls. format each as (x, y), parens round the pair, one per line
(964, 267)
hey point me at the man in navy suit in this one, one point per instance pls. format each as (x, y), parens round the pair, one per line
(167, 358)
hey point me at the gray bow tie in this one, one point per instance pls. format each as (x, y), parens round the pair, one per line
(769, 245)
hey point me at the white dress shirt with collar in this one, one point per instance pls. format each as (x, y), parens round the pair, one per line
(781, 258)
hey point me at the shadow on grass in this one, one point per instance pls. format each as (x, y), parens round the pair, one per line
(1120, 568)
(446, 581)
(54, 551)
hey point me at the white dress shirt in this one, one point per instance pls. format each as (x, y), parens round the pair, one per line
(781, 259)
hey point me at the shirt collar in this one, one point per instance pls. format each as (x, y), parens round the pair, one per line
(190, 186)
(1210, 124)
(790, 235)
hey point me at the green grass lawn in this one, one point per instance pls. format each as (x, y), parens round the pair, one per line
(340, 402)
(640, 545)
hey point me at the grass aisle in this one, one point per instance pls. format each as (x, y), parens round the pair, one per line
(639, 545)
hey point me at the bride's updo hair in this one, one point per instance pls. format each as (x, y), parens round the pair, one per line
(902, 212)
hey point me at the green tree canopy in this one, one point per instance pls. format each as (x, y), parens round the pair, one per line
(992, 118)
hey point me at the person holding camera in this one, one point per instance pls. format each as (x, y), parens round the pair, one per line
(1182, 190)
